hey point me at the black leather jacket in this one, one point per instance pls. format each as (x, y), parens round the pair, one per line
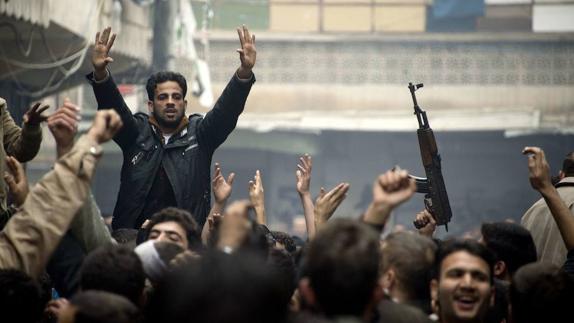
(186, 157)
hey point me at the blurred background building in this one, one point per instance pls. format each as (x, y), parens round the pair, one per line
(331, 81)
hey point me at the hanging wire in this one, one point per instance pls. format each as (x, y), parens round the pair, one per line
(56, 63)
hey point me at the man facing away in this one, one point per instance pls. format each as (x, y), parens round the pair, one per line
(167, 156)
(539, 221)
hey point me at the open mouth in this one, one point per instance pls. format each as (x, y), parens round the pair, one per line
(466, 302)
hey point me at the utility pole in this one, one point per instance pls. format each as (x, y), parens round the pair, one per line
(164, 35)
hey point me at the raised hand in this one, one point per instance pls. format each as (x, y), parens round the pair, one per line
(538, 169)
(106, 124)
(234, 226)
(221, 187)
(16, 180)
(303, 174)
(63, 125)
(425, 223)
(328, 202)
(393, 188)
(100, 55)
(257, 197)
(247, 52)
(389, 191)
(34, 116)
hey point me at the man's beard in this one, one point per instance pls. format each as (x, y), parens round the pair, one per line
(168, 124)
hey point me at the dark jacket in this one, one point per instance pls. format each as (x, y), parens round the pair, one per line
(186, 157)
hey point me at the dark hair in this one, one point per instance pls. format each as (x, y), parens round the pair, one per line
(162, 77)
(103, 307)
(284, 239)
(568, 165)
(114, 269)
(219, 288)
(511, 243)
(412, 257)
(181, 217)
(282, 262)
(20, 297)
(541, 292)
(499, 311)
(342, 264)
(473, 247)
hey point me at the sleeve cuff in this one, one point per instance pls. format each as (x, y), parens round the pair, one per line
(93, 80)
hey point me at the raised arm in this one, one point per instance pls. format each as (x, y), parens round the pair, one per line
(35, 230)
(107, 94)
(221, 120)
(88, 226)
(303, 175)
(539, 176)
(221, 188)
(327, 203)
(390, 190)
(23, 143)
(257, 197)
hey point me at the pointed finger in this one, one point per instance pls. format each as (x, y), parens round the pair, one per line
(246, 35)
(230, 178)
(105, 35)
(240, 34)
(42, 109)
(34, 107)
(111, 43)
(97, 38)
(9, 179)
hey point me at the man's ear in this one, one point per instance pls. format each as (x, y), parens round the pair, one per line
(561, 175)
(150, 106)
(307, 292)
(500, 269)
(387, 280)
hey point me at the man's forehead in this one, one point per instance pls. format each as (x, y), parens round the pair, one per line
(168, 87)
(168, 226)
(465, 261)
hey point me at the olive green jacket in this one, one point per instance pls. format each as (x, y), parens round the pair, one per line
(33, 233)
(21, 143)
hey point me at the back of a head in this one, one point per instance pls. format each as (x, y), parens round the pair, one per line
(342, 264)
(568, 165)
(103, 307)
(541, 292)
(220, 288)
(20, 297)
(511, 243)
(412, 258)
(114, 269)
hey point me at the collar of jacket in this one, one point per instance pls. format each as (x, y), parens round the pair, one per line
(566, 181)
(182, 125)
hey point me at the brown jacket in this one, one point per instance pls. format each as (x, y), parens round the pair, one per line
(34, 232)
(22, 143)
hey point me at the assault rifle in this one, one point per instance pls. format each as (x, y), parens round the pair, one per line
(436, 198)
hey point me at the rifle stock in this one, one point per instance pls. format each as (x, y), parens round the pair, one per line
(436, 197)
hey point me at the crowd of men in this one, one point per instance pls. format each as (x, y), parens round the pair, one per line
(173, 255)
